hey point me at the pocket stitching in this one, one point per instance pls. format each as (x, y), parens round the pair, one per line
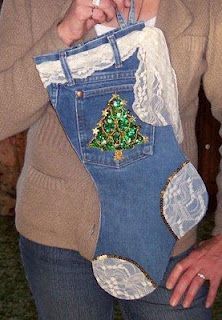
(109, 89)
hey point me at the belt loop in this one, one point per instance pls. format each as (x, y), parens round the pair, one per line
(121, 21)
(132, 13)
(112, 40)
(65, 67)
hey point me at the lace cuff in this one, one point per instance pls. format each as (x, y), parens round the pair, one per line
(156, 95)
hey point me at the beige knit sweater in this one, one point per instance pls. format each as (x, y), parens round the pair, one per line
(57, 203)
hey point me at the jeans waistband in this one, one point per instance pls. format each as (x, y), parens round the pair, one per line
(103, 39)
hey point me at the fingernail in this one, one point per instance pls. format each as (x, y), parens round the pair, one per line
(173, 303)
(169, 285)
(207, 305)
(185, 305)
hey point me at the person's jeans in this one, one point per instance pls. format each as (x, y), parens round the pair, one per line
(64, 287)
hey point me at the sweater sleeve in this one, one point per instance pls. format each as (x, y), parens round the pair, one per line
(212, 82)
(22, 96)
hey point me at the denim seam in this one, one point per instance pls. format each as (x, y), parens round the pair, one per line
(132, 13)
(78, 127)
(65, 67)
(97, 78)
(116, 166)
(94, 92)
(116, 52)
(56, 96)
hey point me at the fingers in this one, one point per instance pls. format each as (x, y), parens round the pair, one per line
(98, 15)
(109, 9)
(122, 4)
(90, 23)
(183, 276)
(81, 16)
(194, 287)
(87, 12)
(180, 268)
(177, 272)
(214, 286)
(127, 3)
(81, 13)
(183, 283)
(105, 12)
(205, 260)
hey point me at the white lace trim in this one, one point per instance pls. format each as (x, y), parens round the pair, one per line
(156, 96)
(185, 200)
(121, 278)
(155, 91)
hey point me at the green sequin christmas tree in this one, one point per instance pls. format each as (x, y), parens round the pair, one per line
(117, 130)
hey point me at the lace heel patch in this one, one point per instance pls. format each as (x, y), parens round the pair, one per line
(184, 200)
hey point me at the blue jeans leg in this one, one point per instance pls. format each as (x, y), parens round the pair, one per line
(62, 284)
(155, 306)
(64, 288)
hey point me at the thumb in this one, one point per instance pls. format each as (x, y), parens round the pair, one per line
(90, 23)
(127, 3)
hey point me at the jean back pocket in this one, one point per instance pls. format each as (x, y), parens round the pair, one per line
(101, 124)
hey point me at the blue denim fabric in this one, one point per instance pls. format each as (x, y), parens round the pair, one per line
(64, 288)
(131, 227)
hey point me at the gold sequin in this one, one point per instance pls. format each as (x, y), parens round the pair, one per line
(118, 155)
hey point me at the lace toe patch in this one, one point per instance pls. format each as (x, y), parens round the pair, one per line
(122, 278)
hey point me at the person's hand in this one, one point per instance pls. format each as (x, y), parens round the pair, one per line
(205, 260)
(82, 16)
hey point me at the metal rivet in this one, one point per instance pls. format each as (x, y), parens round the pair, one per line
(147, 149)
(207, 146)
(79, 94)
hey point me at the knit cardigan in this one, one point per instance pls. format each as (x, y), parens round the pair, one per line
(57, 202)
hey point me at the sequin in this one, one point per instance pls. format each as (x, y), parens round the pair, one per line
(117, 129)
